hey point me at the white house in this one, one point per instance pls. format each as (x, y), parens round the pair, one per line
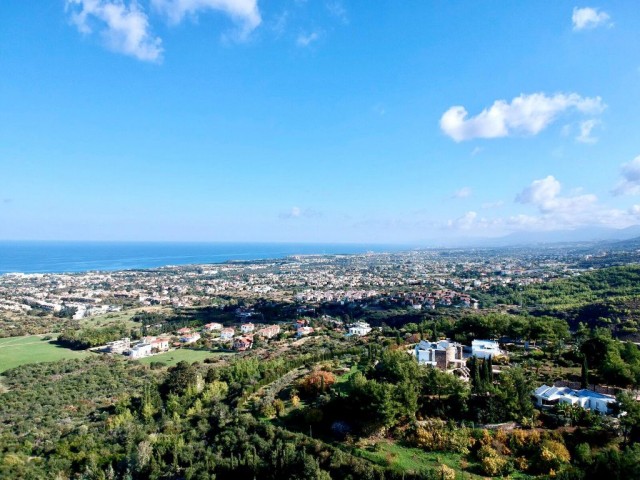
(140, 350)
(586, 399)
(160, 344)
(247, 327)
(191, 338)
(227, 333)
(485, 349)
(210, 327)
(360, 328)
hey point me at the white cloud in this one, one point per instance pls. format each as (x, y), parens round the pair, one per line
(304, 40)
(243, 12)
(463, 192)
(586, 128)
(545, 195)
(630, 182)
(124, 27)
(526, 114)
(587, 17)
(465, 222)
(297, 212)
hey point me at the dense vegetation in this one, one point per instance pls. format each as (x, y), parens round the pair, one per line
(337, 407)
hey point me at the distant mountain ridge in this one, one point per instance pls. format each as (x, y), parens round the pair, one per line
(579, 235)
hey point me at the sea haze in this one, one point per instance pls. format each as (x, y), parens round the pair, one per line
(58, 257)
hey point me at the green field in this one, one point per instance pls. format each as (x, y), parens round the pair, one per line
(119, 317)
(415, 460)
(186, 354)
(16, 351)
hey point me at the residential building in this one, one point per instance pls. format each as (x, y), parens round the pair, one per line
(119, 346)
(227, 333)
(360, 329)
(444, 354)
(485, 349)
(247, 327)
(140, 350)
(302, 331)
(269, 332)
(211, 327)
(243, 343)
(587, 399)
(191, 338)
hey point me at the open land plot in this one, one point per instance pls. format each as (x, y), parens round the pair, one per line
(17, 351)
(406, 459)
(124, 316)
(186, 354)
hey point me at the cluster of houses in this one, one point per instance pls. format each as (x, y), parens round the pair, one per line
(451, 357)
(143, 348)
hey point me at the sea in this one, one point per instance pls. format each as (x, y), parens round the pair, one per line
(70, 257)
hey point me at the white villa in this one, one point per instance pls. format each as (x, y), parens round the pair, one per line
(587, 399)
(247, 327)
(360, 329)
(140, 350)
(227, 333)
(210, 327)
(443, 354)
(485, 349)
(190, 338)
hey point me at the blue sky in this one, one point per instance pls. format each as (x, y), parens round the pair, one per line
(316, 120)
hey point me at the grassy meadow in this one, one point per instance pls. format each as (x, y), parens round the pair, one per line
(16, 351)
(186, 354)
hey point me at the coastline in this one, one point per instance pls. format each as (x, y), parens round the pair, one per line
(48, 257)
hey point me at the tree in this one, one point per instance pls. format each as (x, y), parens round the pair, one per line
(584, 374)
(180, 378)
(317, 382)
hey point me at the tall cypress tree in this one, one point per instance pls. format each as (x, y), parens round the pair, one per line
(584, 374)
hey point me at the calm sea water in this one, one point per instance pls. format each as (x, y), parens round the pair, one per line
(57, 257)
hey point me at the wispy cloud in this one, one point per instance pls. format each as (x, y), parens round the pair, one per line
(123, 27)
(588, 17)
(525, 114)
(244, 12)
(463, 192)
(337, 9)
(297, 212)
(306, 39)
(630, 182)
(586, 127)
